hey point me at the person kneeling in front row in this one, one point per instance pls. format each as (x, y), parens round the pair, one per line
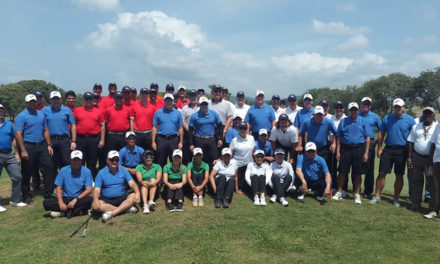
(282, 177)
(258, 175)
(73, 186)
(110, 195)
(224, 178)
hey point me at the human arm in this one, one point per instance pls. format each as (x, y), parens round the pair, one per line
(73, 134)
(46, 135)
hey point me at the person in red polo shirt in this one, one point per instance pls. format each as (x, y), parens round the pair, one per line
(126, 96)
(119, 118)
(70, 100)
(143, 120)
(133, 95)
(108, 100)
(90, 129)
(181, 92)
(97, 89)
(154, 98)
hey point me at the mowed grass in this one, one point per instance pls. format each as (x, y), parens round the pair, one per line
(304, 232)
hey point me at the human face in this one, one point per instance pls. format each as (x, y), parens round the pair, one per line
(118, 102)
(236, 122)
(198, 158)
(111, 90)
(97, 90)
(131, 141)
(31, 105)
(76, 163)
(353, 112)
(398, 110)
(275, 104)
(55, 102)
(204, 108)
(217, 94)
(279, 158)
(240, 101)
(113, 163)
(39, 100)
(292, 104)
(308, 103)
(311, 154)
(225, 95)
(143, 96)
(193, 98)
(2, 112)
(260, 99)
(182, 93)
(428, 117)
(126, 96)
(70, 100)
(88, 101)
(177, 159)
(169, 104)
(148, 159)
(339, 111)
(242, 131)
(318, 118)
(262, 138)
(284, 124)
(226, 158)
(259, 159)
(365, 106)
(325, 107)
(133, 95)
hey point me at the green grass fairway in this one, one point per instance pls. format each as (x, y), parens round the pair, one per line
(305, 232)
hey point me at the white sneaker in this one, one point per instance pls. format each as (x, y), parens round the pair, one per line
(396, 202)
(263, 201)
(106, 216)
(375, 200)
(337, 196)
(344, 194)
(2, 209)
(431, 215)
(20, 204)
(151, 205)
(319, 198)
(54, 214)
(133, 209)
(256, 200)
(291, 189)
(284, 202)
(146, 209)
(273, 199)
(195, 201)
(300, 197)
(357, 199)
(200, 200)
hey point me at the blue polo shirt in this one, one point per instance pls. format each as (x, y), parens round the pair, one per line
(168, 122)
(32, 125)
(397, 129)
(318, 133)
(73, 184)
(352, 132)
(7, 134)
(231, 133)
(303, 115)
(130, 159)
(259, 118)
(267, 148)
(204, 124)
(372, 121)
(112, 184)
(58, 121)
(312, 170)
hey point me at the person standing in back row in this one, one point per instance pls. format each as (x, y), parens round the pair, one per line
(222, 107)
(187, 111)
(143, 113)
(259, 116)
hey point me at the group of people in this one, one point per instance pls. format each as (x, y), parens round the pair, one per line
(184, 142)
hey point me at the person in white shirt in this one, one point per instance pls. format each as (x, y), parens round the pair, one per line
(419, 164)
(282, 178)
(326, 106)
(276, 106)
(224, 179)
(240, 108)
(339, 108)
(258, 175)
(284, 136)
(292, 109)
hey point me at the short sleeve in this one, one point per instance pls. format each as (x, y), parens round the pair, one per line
(101, 117)
(383, 125)
(294, 138)
(272, 115)
(218, 120)
(230, 111)
(192, 120)
(127, 175)
(217, 166)
(190, 165)
(98, 180)
(205, 166)
(156, 118)
(339, 130)
(296, 122)
(88, 179)
(180, 119)
(412, 134)
(139, 168)
(184, 169)
(332, 127)
(435, 134)
(304, 127)
(324, 165)
(273, 134)
(70, 115)
(59, 181)
(158, 167)
(19, 123)
(246, 118)
(299, 162)
(233, 144)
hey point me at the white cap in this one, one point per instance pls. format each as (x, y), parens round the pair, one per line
(54, 94)
(203, 99)
(308, 96)
(310, 146)
(30, 97)
(353, 104)
(366, 98)
(279, 151)
(259, 152)
(112, 153)
(168, 95)
(177, 152)
(1, 106)
(262, 131)
(129, 133)
(318, 110)
(398, 102)
(260, 92)
(226, 151)
(181, 87)
(197, 151)
(76, 154)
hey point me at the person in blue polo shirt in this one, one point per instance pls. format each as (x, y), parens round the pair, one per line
(205, 131)
(74, 185)
(353, 145)
(396, 126)
(232, 132)
(33, 138)
(110, 196)
(304, 114)
(167, 133)
(59, 119)
(264, 144)
(260, 115)
(313, 172)
(131, 155)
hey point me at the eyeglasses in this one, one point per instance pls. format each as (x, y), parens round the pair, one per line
(149, 157)
(260, 156)
(307, 100)
(114, 160)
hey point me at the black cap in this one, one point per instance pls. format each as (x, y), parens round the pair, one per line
(224, 89)
(154, 86)
(217, 87)
(152, 90)
(117, 94)
(112, 85)
(176, 95)
(38, 94)
(144, 90)
(275, 97)
(88, 95)
(126, 89)
(291, 97)
(323, 102)
(201, 91)
(240, 94)
(283, 117)
(282, 102)
(192, 93)
(133, 89)
(148, 152)
(95, 96)
(338, 103)
(237, 117)
(242, 125)
(97, 85)
(169, 87)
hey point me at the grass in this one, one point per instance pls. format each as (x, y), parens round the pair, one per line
(305, 232)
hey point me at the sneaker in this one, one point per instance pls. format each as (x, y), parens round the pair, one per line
(170, 207)
(284, 202)
(431, 215)
(217, 204)
(263, 201)
(300, 196)
(106, 216)
(28, 200)
(2, 209)
(200, 200)
(273, 199)
(133, 209)
(344, 194)
(357, 199)
(396, 203)
(54, 214)
(195, 201)
(375, 200)
(146, 209)
(320, 198)
(291, 189)
(151, 205)
(226, 203)
(415, 208)
(20, 204)
(337, 196)
(179, 207)
(256, 201)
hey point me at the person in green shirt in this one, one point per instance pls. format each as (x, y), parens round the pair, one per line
(198, 175)
(148, 175)
(174, 177)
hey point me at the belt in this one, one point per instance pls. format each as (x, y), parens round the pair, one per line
(167, 136)
(395, 147)
(34, 143)
(88, 136)
(206, 137)
(351, 146)
(116, 133)
(59, 137)
(143, 132)
(423, 156)
(5, 151)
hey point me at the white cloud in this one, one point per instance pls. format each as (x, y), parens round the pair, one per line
(347, 7)
(371, 58)
(354, 43)
(337, 28)
(102, 5)
(426, 40)
(421, 62)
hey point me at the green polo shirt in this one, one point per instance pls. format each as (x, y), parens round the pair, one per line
(203, 167)
(148, 174)
(174, 175)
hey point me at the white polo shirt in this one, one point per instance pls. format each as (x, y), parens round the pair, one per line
(254, 169)
(278, 112)
(336, 123)
(223, 109)
(421, 137)
(226, 170)
(243, 149)
(292, 114)
(285, 138)
(241, 111)
(282, 170)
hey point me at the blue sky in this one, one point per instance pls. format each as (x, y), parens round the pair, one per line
(279, 46)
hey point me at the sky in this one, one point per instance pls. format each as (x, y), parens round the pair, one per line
(279, 46)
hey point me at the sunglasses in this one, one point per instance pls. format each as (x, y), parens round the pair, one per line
(149, 157)
(307, 100)
(114, 160)
(260, 156)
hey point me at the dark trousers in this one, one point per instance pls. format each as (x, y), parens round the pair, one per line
(38, 155)
(258, 184)
(175, 195)
(280, 185)
(225, 188)
(165, 147)
(368, 170)
(421, 168)
(197, 178)
(434, 188)
(84, 204)
(143, 140)
(241, 172)
(88, 145)
(334, 173)
(10, 163)
(317, 186)
(115, 142)
(209, 148)
(187, 154)
(102, 154)
(61, 153)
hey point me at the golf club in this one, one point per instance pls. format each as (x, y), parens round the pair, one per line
(85, 223)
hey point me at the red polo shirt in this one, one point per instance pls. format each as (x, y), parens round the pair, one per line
(143, 116)
(118, 120)
(159, 101)
(106, 102)
(88, 122)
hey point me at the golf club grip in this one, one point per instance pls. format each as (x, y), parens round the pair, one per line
(76, 231)
(84, 232)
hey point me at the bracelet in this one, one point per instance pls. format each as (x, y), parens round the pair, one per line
(73, 141)
(23, 151)
(49, 144)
